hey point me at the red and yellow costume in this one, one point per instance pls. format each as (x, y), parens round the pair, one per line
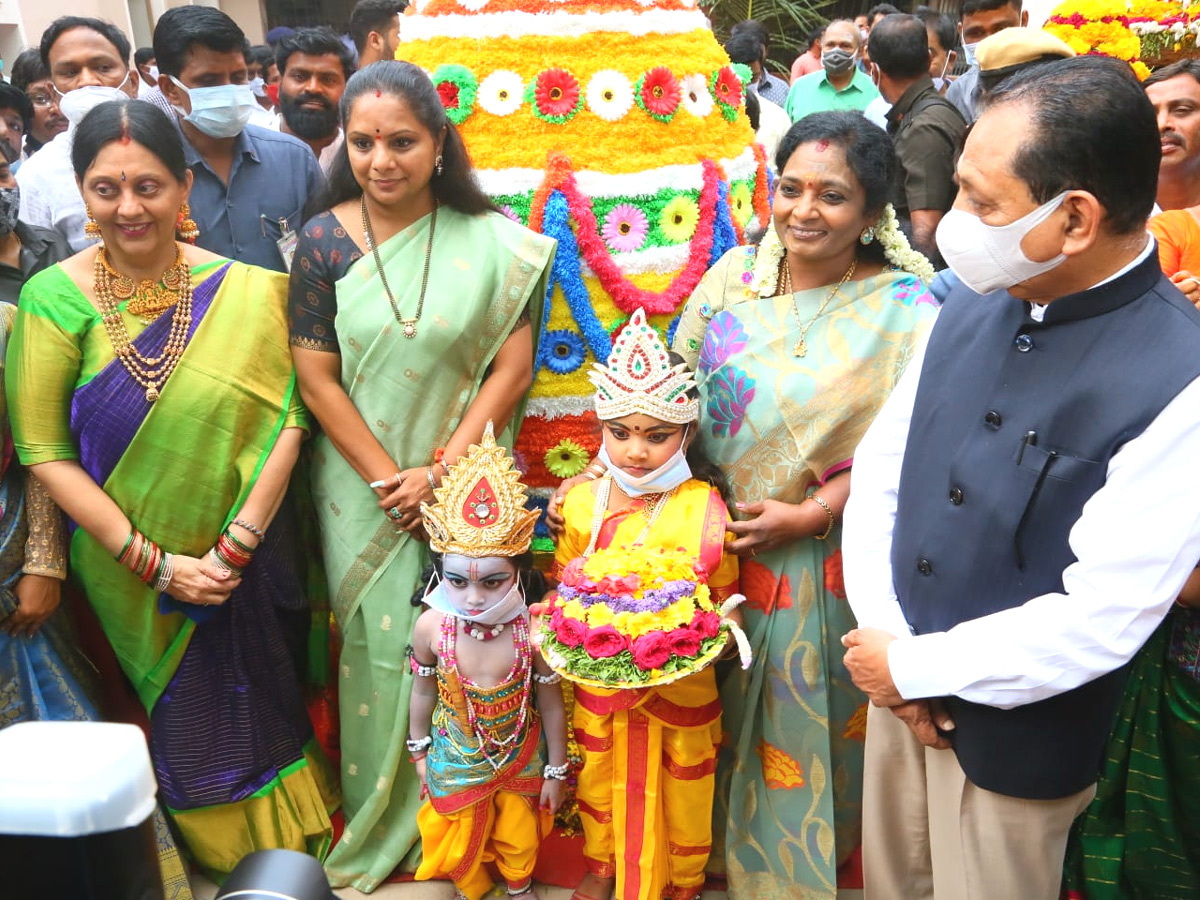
(646, 789)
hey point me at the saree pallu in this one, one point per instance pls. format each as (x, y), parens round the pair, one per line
(789, 778)
(478, 813)
(645, 792)
(1140, 837)
(412, 393)
(231, 743)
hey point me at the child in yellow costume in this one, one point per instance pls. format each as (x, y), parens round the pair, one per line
(645, 792)
(476, 735)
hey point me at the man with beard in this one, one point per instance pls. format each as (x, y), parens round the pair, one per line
(375, 27)
(250, 184)
(29, 74)
(314, 66)
(1174, 91)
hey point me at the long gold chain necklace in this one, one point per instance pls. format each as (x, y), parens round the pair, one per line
(410, 325)
(651, 509)
(150, 372)
(784, 286)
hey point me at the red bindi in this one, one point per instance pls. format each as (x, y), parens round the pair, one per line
(378, 93)
(822, 145)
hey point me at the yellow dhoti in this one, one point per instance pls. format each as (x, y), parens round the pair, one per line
(646, 789)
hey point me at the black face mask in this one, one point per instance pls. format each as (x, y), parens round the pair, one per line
(306, 123)
(837, 61)
(10, 205)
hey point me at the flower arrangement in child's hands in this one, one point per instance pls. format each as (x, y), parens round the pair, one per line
(628, 617)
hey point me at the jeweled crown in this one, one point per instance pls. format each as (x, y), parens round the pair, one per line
(480, 509)
(639, 378)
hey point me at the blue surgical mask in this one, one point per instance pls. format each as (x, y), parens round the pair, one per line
(220, 111)
(969, 53)
(674, 472)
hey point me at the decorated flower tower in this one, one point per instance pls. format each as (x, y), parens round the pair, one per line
(617, 127)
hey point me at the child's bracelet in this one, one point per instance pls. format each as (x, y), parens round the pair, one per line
(419, 745)
(552, 678)
(558, 773)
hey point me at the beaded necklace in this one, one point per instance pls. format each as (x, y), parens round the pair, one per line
(150, 372)
(650, 509)
(522, 667)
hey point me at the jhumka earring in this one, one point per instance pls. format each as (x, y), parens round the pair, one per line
(185, 225)
(437, 165)
(92, 228)
(868, 235)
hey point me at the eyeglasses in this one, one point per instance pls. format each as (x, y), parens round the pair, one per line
(42, 101)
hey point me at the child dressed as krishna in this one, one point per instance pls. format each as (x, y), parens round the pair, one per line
(484, 704)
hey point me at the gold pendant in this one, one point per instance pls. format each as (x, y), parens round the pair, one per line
(410, 329)
(801, 348)
(151, 394)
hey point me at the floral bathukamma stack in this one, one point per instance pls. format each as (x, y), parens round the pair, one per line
(633, 617)
(617, 127)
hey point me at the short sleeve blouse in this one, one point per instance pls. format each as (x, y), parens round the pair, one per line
(324, 253)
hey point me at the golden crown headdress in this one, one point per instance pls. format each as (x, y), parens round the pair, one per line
(480, 509)
(639, 378)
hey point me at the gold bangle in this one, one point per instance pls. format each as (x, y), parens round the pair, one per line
(828, 512)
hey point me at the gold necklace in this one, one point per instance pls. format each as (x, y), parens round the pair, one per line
(650, 509)
(410, 325)
(150, 299)
(784, 286)
(150, 372)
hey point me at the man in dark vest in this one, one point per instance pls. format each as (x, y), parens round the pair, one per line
(1025, 508)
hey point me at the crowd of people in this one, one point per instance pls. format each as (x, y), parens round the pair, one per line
(933, 428)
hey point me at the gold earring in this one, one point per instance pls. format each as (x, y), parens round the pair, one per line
(185, 225)
(92, 228)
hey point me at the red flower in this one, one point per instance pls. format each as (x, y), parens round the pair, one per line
(763, 590)
(651, 651)
(556, 93)
(659, 93)
(572, 632)
(835, 583)
(706, 624)
(728, 87)
(571, 572)
(603, 642)
(616, 586)
(685, 642)
(448, 92)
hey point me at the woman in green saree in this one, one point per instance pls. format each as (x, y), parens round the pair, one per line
(151, 391)
(434, 293)
(796, 344)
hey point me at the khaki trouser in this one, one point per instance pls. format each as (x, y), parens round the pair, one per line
(929, 832)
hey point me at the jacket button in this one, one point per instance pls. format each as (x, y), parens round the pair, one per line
(956, 496)
(1023, 343)
(924, 566)
(993, 418)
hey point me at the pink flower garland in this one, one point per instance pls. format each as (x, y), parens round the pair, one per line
(626, 295)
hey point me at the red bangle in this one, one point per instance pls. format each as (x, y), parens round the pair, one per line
(439, 456)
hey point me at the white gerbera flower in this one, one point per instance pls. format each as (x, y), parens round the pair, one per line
(501, 92)
(696, 98)
(609, 95)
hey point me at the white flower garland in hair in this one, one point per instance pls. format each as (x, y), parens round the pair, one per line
(897, 249)
(887, 231)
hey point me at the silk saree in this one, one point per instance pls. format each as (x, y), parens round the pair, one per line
(233, 750)
(486, 275)
(789, 776)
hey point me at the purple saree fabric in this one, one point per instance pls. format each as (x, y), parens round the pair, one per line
(107, 412)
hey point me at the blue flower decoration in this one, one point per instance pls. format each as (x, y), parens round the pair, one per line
(729, 393)
(562, 351)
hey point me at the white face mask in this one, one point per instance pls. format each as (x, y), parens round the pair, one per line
(78, 103)
(220, 111)
(989, 258)
(939, 81)
(154, 73)
(969, 53)
(505, 609)
(674, 472)
(258, 87)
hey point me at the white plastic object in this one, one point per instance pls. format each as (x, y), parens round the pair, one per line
(67, 779)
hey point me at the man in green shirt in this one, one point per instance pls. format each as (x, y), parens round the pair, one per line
(840, 84)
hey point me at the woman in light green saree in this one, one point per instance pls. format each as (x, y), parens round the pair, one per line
(411, 310)
(161, 455)
(796, 344)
